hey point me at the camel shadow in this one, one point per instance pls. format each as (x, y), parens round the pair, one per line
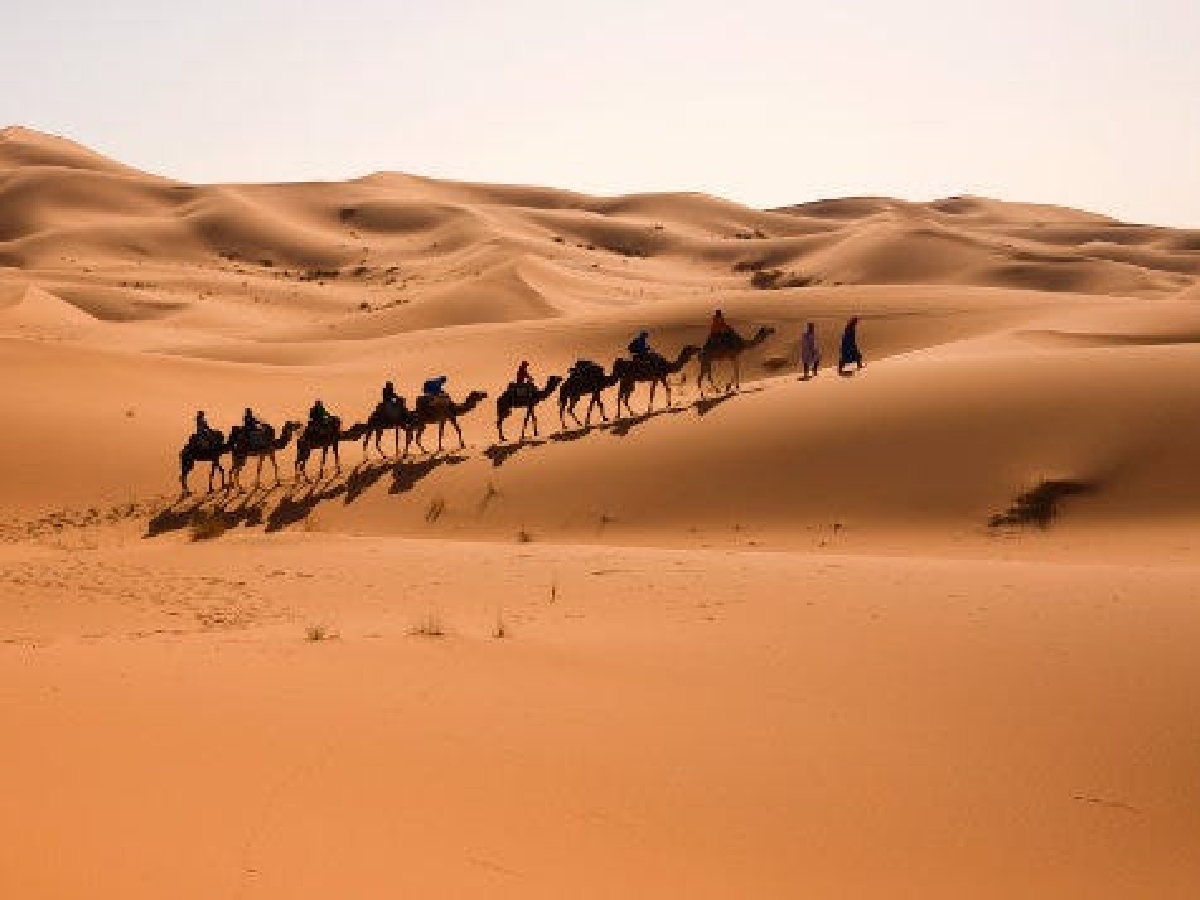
(622, 427)
(501, 453)
(297, 504)
(220, 509)
(406, 475)
(364, 476)
(578, 432)
(705, 405)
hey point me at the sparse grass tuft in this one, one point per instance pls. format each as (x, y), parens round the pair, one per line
(430, 625)
(1040, 505)
(434, 511)
(524, 537)
(208, 526)
(316, 633)
(777, 279)
(489, 494)
(500, 630)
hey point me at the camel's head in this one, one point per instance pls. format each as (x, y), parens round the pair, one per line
(763, 333)
(553, 382)
(689, 352)
(476, 396)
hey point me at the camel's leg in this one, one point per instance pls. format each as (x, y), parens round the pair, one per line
(461, 443)
(396, 436)
(258, 472)
(337, 458)
(441, 433)
(667, 387)
(532, 416)
(653, 389)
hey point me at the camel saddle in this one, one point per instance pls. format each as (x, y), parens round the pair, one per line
(326, 429)
(206, 442)
(253, 439)
(585, 367)
(438, 401)
(722, 340)
(522, 393)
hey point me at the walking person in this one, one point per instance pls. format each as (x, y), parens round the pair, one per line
(850, 354)
(810, 353)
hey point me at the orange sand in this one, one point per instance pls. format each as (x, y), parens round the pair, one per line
(760, 646)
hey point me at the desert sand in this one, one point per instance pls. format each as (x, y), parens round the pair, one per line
(926, 631)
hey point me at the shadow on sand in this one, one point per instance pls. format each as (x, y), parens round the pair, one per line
(622, 427)
(500, 453)
(406, 475)
(223, 508)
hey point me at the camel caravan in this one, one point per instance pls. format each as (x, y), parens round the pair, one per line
(259, 441)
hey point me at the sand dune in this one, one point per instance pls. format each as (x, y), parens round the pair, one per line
(923, 630)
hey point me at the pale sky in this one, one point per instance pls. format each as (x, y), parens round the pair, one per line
(1095, 105)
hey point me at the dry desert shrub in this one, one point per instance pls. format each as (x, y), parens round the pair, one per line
(429, 625)
(434, 511)
(207, 526)
(1040, 505)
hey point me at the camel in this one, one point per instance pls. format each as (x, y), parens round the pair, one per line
(585, 378)
(324, 438)
(441, 409)
(654, 369)
(527, 397)
(209, 451)
(730, 346)
(260, 443)
(393, 416)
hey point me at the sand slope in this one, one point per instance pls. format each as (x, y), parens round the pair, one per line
(762, 643)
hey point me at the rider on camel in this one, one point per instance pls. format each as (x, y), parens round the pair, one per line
(389, 394)
(205, 433)
(435, 387)
(640, 345)
(318, 416)
(249, 422)
(523, 376)
(718, 326)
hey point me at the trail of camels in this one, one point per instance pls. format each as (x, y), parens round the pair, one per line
(585, 379)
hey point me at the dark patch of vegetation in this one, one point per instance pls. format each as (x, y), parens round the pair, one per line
(208, 526)
(777, 279)
(749, 265)
(318, 274)
(1040, 505)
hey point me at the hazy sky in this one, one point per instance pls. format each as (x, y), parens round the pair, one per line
(1087, 104)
